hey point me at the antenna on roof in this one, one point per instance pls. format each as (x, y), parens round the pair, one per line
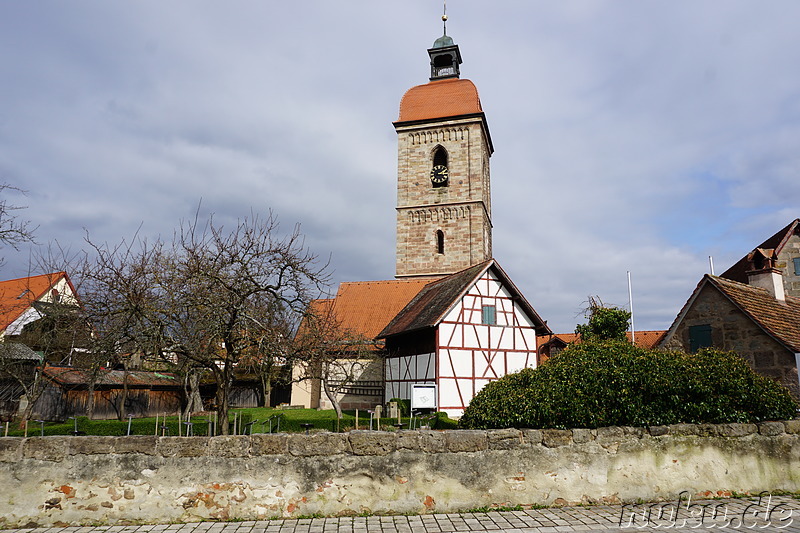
(444, 17)
(630, 301)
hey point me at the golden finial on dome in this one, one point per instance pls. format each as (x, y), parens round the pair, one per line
(444, 17)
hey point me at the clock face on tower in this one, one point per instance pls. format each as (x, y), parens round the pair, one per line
(439, 175)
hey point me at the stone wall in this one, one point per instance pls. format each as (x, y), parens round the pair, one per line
(53, 481)
(732, 330)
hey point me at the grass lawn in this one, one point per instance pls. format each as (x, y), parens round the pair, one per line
(260, 420)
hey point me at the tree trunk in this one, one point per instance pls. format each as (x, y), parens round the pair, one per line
(194, 402)
(223, 393)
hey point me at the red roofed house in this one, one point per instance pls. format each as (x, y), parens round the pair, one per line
(25, 300)
(452, 319)
(753, 309)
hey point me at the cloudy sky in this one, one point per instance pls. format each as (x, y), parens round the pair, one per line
(630, 135)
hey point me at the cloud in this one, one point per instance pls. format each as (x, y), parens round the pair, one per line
(629, 136)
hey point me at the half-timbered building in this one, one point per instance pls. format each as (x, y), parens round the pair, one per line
(459, 333)
(452, 320)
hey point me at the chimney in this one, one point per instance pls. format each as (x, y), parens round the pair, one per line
(763, 273)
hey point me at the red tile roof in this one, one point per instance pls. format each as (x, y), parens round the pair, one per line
(644, 339)
(17, 295)
(779, 319)
(440, 99)
(363, 308)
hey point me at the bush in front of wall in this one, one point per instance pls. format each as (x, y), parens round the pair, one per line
(613, 383)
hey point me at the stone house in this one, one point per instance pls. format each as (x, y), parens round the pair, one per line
(757, 319)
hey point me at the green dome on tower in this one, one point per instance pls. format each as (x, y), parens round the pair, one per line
(443, 42)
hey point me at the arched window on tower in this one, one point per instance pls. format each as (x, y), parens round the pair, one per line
(440, 174)
(439, 241)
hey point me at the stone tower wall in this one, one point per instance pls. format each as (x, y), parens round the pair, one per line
(462, 210)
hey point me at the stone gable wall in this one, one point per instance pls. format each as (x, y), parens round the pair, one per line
(791, 281)
(732, 330)
(56, 481)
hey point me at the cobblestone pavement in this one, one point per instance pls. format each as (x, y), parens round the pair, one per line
(780, 513)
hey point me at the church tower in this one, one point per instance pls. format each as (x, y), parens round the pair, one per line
(444, 211)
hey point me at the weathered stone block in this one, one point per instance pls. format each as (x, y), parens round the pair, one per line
(229, 446)
(736, 430)
(635, 432)
(771, 428)
(657, 431)
(91, 445)
(707, 430)
(45, 448)
(318, 444)
(505, 439)
(10, 449)
(554, 438)
(532, 436)
(432, 442)
(185, 447)
(682, 429)
(610, 435)
(466, 441)
(373, 442)
(792, 426)
(408, 440)
(269, 444)
(144, 444)
(582, 435)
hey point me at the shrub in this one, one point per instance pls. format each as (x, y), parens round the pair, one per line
(613, 383)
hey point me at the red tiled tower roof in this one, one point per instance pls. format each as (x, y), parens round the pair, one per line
(450, 97)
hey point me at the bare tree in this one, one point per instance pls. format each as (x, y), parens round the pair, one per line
(210, 296)
(335, 356)
(13, 231)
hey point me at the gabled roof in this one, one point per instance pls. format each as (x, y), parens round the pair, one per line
(435, 300)
(69, 376)
(16, 351)
(18, 295)
(780, 320)
(363, 308)
(738, 272)
(644, 339)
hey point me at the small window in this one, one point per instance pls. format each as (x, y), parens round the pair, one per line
(489, 315)
(699, 337)
(796, 261)
(439, 242)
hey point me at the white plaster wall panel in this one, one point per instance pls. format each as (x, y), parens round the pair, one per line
(450, 335)
(517, 362)
(481, 365)
(449, 395)
(459, 363)
(503, 338)
(470, 339)
(529, 336)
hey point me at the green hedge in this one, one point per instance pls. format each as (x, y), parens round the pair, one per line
(613, 383)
